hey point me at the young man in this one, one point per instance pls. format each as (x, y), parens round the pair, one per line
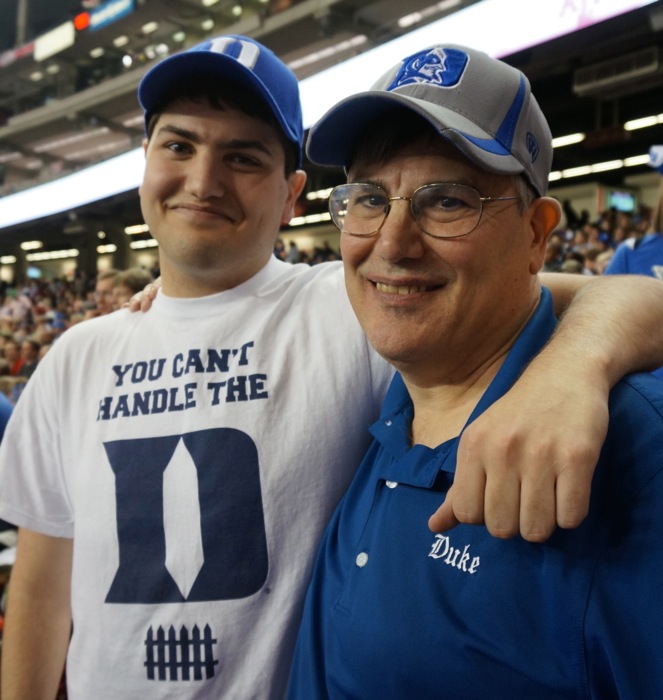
(444, 227)
(166, 506)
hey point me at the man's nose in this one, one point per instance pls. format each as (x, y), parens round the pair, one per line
(205, 177)
(400, 236)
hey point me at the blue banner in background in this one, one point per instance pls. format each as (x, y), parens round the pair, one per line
(110, 12)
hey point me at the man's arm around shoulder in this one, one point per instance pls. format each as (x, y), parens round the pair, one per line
(526, 464)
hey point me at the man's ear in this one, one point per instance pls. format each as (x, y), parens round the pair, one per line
(545, 215)
(296, 182)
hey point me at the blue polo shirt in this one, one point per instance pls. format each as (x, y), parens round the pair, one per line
(396, 611)
(638, 257)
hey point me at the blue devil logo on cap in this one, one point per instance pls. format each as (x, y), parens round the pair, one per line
(442, 67)
(245, 52)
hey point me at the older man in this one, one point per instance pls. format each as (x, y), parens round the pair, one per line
(445, 223)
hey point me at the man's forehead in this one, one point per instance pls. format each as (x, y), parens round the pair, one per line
(198, 117)
(203, 109)
(428, 158)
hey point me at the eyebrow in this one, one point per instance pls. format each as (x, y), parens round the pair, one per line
(177, 131)
(240, 144)
(367, 181)
(379, 182)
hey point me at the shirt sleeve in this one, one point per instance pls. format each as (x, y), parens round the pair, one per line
(34, 492)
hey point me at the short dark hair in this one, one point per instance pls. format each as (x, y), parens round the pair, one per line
(221, 94)
(388, 135)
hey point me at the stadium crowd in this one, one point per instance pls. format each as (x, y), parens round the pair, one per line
(586, 245)
(35, 313)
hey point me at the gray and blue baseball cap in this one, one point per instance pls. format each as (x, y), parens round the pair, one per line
(240, 59)
(482, 105)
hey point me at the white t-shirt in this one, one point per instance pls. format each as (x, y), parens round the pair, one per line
(194, 454)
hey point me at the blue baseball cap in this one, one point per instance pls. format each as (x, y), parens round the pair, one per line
(237, 58)
(483, 106)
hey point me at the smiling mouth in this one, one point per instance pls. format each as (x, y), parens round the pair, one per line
(204, 211)
(401, 289)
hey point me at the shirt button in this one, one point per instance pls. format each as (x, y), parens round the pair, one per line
(362, 559)
(388, 423)
(391, 484)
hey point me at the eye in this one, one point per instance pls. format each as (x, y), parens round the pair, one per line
(448, 203)
(244, 160)
(369, 199)
(444, 200)
(440, 201)
(178, 147)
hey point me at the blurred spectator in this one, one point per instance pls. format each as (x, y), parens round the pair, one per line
(573, 220)
(554, 255)
(578, 260)
(642, 253)
(592, 235)
(13, 357)
(603, 260)
(293, 256)
(321, 253)
(17, 305)
(324, 253)
(591, 256)
(6, 408)
(11, 387)
(30, 354)
(279, 249)
(103, 294)
(128, 283)
(5, 412)
(619, 235)
(573, 266)
(581, 239)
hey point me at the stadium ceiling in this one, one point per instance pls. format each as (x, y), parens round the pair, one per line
(78, 106)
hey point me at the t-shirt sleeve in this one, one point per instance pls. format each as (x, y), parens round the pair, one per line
(33, 491)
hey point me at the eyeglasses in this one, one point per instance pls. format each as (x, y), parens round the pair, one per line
(441, 210)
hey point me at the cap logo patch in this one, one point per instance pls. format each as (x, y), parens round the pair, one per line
(441, 67)
(532, 146)
(243, 52)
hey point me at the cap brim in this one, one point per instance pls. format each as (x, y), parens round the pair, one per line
(333, 138)
(179, 67)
